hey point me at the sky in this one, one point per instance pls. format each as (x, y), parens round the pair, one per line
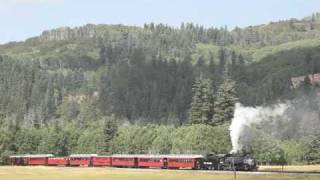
(21, 19)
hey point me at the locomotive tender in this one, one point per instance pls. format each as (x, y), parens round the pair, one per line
(197, 162)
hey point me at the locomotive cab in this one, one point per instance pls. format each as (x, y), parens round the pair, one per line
(213, 161)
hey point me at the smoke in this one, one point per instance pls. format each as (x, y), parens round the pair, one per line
(246, 116)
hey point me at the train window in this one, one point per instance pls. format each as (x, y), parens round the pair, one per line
(79, 159)
(181, 160)
(150, 160)
(122, 159)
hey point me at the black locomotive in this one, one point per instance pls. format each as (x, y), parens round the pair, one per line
(228, 162)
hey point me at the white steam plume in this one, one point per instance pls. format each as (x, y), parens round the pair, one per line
(246, 116)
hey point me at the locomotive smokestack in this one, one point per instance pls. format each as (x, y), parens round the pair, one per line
(246, 116)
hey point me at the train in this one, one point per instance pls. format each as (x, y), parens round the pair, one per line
(171, 161)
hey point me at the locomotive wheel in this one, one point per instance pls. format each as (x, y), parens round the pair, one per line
(222, 168)
(198, 165)
(246, 168)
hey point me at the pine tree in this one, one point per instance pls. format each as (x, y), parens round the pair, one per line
(110, 129)
(225, 102)
(241, 60)
(222, 61)
(313, 20)
(207, 101)
(313, 149)
(202, 102)
(195, 114)
(309, 63)
(307, 85)
(102, 51)
(233, 66)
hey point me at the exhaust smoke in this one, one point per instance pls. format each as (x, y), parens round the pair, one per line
(246, 116)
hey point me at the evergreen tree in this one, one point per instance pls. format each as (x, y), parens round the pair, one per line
(195, 113)
(225, 102)
(313, 150)
(310, 65)
(202, 102)
(222, 61)
(313, 20)
(102, 52)
(233, 66)
(241, 60)
(109, 131)
(207, 101)
(307, 85)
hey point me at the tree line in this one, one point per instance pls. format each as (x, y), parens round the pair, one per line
(57, 97)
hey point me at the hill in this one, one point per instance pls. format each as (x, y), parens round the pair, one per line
(64, 91)
(154, 66)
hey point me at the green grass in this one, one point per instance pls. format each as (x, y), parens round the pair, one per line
(63, 173)
(258, 54)
(303, 168)
(206, 51)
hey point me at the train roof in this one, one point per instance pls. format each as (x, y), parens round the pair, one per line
(16, 156)
(32, 155)
(83, 155)
(184, 156)
(137, 155)
(158, 155)
(115, 155)
(102, 156)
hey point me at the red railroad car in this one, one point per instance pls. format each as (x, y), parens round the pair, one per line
(102, 161)
(81, 159)
(38, 159)
(152, 161)
(124, 161)
(184, 161)
(18, 160)
(58, 161)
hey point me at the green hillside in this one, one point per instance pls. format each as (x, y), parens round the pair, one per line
(80, 84)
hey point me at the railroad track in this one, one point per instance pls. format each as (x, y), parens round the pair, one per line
(228, 172)
(291, 172)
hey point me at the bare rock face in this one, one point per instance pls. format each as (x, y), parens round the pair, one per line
(67, 33)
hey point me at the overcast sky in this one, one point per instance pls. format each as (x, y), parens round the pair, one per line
(21, 19)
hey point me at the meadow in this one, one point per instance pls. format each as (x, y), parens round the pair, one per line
(63, 173)
(302, 168)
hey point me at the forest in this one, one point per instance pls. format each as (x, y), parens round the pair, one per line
(159, 89)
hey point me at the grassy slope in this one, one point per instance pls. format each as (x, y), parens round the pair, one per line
(56, 173)
(258, 54)
(29, 50)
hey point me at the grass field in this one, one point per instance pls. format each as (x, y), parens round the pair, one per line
(306, 168)
(62, 173)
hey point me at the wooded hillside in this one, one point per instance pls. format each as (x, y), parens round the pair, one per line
(71, 81)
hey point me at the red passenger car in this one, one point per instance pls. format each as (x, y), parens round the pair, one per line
(18, 160)
(58, 161)
(184, 161)
(102, 161)
(124, 161)
(38, 159)
(152, 161)
(81, 159)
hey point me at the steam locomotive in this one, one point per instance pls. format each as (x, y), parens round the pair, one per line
(229, 162)
(197, 162)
